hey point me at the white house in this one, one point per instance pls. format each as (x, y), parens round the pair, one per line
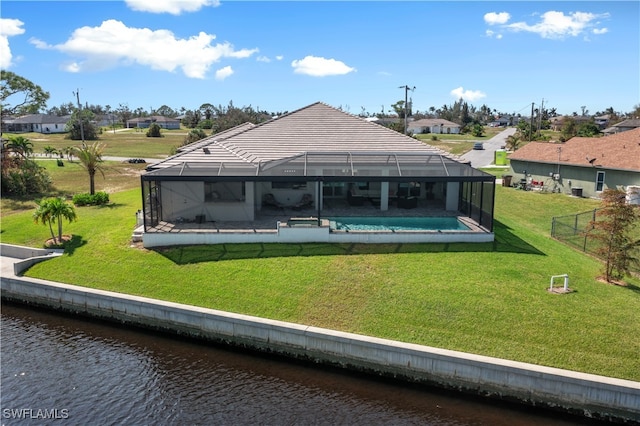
(433, 125)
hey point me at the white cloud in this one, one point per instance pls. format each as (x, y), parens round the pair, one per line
(223, 73)
(320, 67)
(493, 18)
(8, 28)
(467, 95)
(113, 44)
(263, 59)
(279, 57)
(174, 7)
(600, 30)
(556, 25)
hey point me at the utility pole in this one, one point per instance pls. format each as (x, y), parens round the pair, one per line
(531, 123)
(406, 103)
(540, 115)
(77, 93)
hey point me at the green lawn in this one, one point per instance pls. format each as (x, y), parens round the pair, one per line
(489, 299)
(124, 143)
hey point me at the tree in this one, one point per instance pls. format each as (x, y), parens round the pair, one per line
(154, 131)
(166, 111)
(193, 136)
(88, 130)
(569, 129)
(20, 174)
(50, 151)
(588, 129)
(27, 97)
(612, 229)
(477, 130)
(90, 157)
(54, 210)
(20, 146)
(513, 142)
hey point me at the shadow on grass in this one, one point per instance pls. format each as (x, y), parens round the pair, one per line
(76, 242)
(505, 241)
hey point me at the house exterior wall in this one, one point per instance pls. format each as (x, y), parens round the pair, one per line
(572, 177)
(49, 128)
(185, 200)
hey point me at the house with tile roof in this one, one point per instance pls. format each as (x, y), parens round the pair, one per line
(40, 123)
(246, 184)
(623, 126)
(581, 166)
(145, 122)
(433, 125)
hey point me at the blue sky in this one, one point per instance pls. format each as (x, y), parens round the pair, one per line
(281, 56)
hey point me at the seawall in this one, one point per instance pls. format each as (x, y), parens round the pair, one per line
(578, 393)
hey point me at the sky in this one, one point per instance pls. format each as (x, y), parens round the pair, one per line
(359, 56)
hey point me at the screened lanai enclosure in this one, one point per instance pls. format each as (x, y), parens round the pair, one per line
(289, 178)
(315, 185)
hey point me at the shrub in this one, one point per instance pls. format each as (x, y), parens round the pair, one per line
(154, 131)
(98, 199)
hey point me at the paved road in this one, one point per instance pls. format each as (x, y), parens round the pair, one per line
(485, 157)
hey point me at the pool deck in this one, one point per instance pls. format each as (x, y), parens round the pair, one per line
(270, 226)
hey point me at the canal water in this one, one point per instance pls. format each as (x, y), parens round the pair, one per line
(56, 369)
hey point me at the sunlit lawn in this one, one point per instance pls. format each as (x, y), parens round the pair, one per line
(123, 143)
(488, 298)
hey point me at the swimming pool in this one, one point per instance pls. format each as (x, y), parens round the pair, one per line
(363, 223)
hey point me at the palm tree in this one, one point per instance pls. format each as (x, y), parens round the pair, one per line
(43, 214)
(20, 146)
(513, 142)
(49, 151)
(90, 157)
(53, 210)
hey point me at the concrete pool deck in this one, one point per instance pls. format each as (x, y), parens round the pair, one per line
(582, 394)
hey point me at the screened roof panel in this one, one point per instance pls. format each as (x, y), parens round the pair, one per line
(328, 164)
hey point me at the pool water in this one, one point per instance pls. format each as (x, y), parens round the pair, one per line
(397, 224)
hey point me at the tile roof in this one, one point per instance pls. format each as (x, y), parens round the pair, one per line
(315, 128)
(42, 119)
(620, 151)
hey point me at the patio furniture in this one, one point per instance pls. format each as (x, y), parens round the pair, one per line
(407, 202)
(268, 200)
(355, 200)
(305, 202)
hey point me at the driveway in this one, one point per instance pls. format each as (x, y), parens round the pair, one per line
(485, 157)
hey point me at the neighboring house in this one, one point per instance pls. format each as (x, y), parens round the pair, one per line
(623, 126)
(145, 122)
(433, 125)
(107, 120)
(581, 166)
(40, 123)
(557, 123)
(315, 162)
(602, 121)
(501, 122)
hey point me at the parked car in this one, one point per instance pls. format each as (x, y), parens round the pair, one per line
(478, 145)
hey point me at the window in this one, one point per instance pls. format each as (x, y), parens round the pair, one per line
(409, 189)
(599, 181)
(224, 191)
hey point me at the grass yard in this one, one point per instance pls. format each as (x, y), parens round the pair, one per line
(488, 299)
(123, 143)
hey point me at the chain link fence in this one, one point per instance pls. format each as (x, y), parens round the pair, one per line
(573, 230)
